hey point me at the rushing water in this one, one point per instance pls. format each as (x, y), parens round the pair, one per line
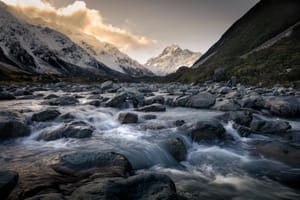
(221, 170)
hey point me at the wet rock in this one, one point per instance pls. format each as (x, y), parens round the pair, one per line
(51, 96)
(270, 127)
(279, 151)
(62, 101)
(179, 123)
(239, 117)
(181, 101)
(254, 102)
(205, 130)
(139, 187)
(201, 100)
(127, 118)
(152, 108)
(76, 129)
(105, 164)
(6, 96)
(284, 107)
(45, 115)
(117, 101)
(224, 90)
(243, 131)
(155, 99)
(48, 196)
(149, 117)
(95, 103)
(176, 147)
(226, 105)
(8, 180)
(106, 85)
(13, 124)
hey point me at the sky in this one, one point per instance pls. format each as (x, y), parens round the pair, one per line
(142, 28)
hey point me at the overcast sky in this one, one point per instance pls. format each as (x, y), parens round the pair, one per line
(143, 28)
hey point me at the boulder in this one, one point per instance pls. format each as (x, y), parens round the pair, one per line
(106, 164)
(284, 107)
(77, 129)
(239, 117)
(205, 130)
(6, 96)
(13, 124)
(201, 100)
(181, 101)
(62, 101)
(127, 118)
(226, 105)
(45, 115)
(155, 99)
(51, 96)
(176, 147)
(117, 101)
(152, 108)
(149, 117)
(8, 181)
(139, 187)
(106, 85)
(269, 127)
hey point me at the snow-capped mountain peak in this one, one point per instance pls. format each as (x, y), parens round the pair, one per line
(172, 58)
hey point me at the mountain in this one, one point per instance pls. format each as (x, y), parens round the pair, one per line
(38, 49)
(41, 50)
(262, 46)
(110, 55)
(172, 58)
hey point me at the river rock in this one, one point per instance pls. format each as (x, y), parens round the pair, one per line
(139, 187)
(51, 96)
(152, 108)
(45, 115)
(13, 124)
(8, 180)
(149, 117)
(226, 105)
(176, 147)
(77, 129)
(62, 101)
(239, 117)
(201, 100)
(155, 99)
(117, 101)
(127, 118)
(6, 96)
(270, 127)
(284, 107)
(106, 85)
(181, 101)
(205, 130)
(106, 164)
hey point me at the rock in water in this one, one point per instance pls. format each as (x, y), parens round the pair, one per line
(107, 164)
(76, 129)
(127, 118)
(62, 101)
(176, 147)
(201, 100)
(139, 187)
(6, 96)
(45, 115)
(152, 108)
(13, 124)
(262, 126)
(8, 180)
(284, 107)
(205, 130)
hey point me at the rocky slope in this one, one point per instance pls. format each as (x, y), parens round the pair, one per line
(262, 46)
(172, 58)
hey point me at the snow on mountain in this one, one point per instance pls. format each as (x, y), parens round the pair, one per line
(110, 55)
(171, 59)
(38, 49)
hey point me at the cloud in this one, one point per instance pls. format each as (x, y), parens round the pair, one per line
(77, 17)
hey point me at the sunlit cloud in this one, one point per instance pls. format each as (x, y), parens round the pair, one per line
(77, 17)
